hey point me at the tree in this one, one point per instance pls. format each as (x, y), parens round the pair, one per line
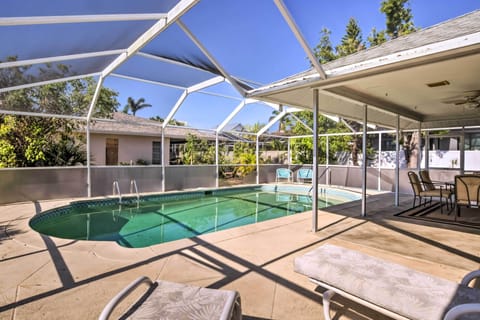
(198, 151)
(254, 128)
(324, 50)
(284, 123)
(244, 155)
(399, 21)
(399, 17)
(376, 37)
(410, 143)
(134, 106)
(302, 148)
(47, 141)
(172, 122)
(352, 40)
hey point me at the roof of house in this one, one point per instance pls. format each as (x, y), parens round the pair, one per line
(464, 25)
(125, 124)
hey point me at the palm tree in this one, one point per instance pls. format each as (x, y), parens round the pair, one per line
(284, 123)
(134, 106)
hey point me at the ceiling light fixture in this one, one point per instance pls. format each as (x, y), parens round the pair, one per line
(438, 84)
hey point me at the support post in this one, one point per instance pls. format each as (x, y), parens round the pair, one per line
(217, 166)
(327, 149)
(163, 159)
(364, 162)
(379, 180)
(427, 150)
(89, 117)
(397, 162)
(462, 151)
(257, 156)
(89, 173)
(315, 162)
(289, 156)
(419, 147)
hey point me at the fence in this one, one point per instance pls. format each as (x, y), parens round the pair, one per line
(30, 184)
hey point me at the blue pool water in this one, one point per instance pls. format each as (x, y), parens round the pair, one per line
(167, 217)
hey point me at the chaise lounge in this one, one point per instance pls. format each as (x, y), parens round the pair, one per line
(391, 289)
(170, 300)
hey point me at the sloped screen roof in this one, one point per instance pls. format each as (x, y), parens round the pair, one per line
(176, 43)
(57, 40)
(82, 38)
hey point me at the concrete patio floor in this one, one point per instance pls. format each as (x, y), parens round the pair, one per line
(49, 278)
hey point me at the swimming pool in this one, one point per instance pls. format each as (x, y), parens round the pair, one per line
(155, 219)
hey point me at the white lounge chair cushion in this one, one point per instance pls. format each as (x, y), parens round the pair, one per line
(410, 293)
(177, 301)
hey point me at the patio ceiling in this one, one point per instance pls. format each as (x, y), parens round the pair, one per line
(431, 76)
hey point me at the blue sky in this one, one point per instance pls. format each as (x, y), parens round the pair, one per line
(249, 38)
(256, 44)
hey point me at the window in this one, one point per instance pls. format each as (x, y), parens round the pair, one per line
(472, 151)
(472, 142)
(111, 152)
(444, 152)
(156, 152)
(176, 152)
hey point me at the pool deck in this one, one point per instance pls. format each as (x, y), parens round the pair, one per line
(49, 278)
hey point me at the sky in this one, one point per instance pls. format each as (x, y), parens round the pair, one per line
(257, 45)
(248, 38)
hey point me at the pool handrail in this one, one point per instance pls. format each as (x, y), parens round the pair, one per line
(116, 188)
(133, 187)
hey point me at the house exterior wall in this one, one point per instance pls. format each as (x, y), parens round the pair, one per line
(130, 148)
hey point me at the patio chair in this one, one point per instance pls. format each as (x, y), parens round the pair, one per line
(467, 191)
(304, 174)
(386, 287)
(420, 193)
(428, 184)
(170, 300)
(283, 173)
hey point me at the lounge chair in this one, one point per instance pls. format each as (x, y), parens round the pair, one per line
(170, 300)
(304, 174)
(467, 191)
(283, 173)
(421, 193)
(389, 288)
